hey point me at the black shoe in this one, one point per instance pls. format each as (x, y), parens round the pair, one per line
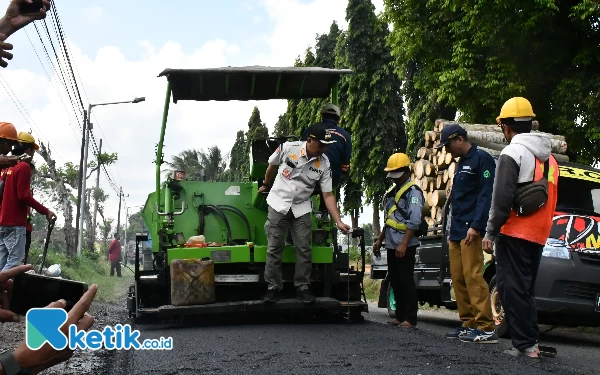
(305, 295)
(272, 296)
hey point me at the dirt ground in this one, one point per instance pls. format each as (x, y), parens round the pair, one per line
(82, 362)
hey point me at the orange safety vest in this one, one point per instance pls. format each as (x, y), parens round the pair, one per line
(536, 227)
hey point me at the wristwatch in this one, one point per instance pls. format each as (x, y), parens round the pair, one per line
(10, 366)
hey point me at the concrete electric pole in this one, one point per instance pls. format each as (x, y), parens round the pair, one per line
(119, 214)
(83, 181)
(83, 169)
(97, 186)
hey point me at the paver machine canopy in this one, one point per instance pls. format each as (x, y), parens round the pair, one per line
(232, 214)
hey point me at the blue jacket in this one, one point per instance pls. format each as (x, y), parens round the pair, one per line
(339, 152)
(412, 207)
(472, 193)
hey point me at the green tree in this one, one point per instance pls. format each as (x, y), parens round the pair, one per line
(199, 165)
(471, 56)
(305, 112)
(369, 238)
(256, 130)
(353, 188)
(237, 158)
(375, 106)
(135, 225)
(282, 127)
(61, 184)
(213, 164)
(188, 161)
(421, 44)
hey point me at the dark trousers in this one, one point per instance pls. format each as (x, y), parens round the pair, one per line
(401, 275)
(517, 264)
(115, 265)
(322, 208)
(27, 245)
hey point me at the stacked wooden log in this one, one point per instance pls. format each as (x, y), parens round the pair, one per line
(433, 169)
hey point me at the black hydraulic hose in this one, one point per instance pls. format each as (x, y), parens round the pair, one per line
(236, 210)
(222, 215)
(201, 220)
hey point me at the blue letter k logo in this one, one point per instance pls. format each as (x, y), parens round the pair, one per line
(43, 325)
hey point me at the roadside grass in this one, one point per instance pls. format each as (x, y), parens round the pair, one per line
(90, 268)
(371, 288)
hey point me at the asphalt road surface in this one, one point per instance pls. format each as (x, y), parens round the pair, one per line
(577, 351)
(309, 347)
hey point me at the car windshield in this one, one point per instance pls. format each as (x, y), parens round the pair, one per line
(578, 195)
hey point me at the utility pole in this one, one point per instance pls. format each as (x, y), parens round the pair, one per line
(97, 186)
(83, 183)
(83, 168)
(126, 219)
(119, 215)
(83, 147)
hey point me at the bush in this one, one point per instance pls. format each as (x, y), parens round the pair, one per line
(355, 255)
(91, 255)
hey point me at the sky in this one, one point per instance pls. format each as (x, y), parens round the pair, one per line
(118, 48)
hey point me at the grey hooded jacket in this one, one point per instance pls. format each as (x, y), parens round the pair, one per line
(516, 165)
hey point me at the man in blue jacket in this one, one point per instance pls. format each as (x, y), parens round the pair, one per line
(339, 152)
(471, 201)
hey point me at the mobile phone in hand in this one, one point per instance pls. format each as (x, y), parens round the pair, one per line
(38, 291)
(34, 7)
(24, 157)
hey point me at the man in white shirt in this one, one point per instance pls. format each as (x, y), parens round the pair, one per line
(294, 170)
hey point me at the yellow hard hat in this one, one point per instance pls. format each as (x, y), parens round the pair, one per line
(25, 137)
(397, 161)
(516, 107)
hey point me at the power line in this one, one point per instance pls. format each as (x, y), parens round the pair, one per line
(62, 74)
(26, 117)
(64, 68)
(55, 19)
(53, 86)
(67, 50)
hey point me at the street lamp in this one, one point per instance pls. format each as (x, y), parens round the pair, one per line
(88, 124)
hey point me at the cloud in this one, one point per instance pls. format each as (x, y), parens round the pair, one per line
(133, 130)
(93, 13)
(297, 24)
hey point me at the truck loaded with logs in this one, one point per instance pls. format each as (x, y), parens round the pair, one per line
(567, 290)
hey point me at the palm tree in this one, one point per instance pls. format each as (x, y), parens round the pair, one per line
(213, 164)
(188, 161)
(198, 164)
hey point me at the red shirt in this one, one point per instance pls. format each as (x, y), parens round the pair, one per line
(17, 196)
(114, 251)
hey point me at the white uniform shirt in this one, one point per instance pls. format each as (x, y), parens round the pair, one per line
(293, 186)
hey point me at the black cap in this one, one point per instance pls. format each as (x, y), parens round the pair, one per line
(449, 132)
(321, 133)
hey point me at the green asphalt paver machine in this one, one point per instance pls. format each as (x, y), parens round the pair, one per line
(232, 215)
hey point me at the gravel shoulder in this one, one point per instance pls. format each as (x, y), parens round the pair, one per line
(82, 362)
